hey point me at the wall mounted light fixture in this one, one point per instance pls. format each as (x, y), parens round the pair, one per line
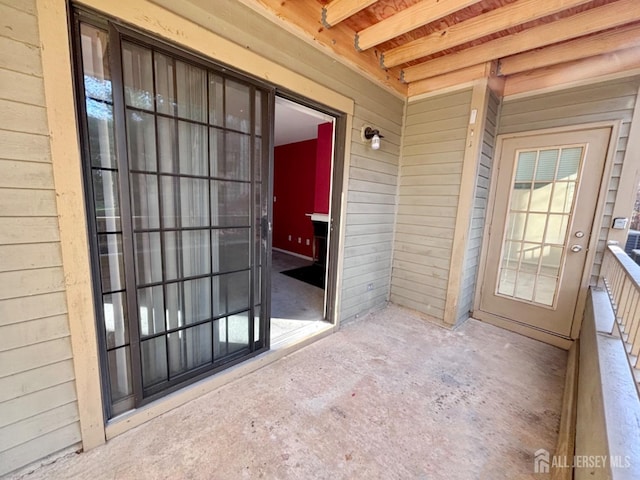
(373, 135)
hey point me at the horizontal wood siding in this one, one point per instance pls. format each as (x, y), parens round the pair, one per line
(373, 175)
(38, 408)
(432, 155)
(612, 100)
(476, 228)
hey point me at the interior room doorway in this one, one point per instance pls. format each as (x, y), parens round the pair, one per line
(302, 176)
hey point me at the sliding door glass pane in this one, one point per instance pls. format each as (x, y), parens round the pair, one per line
(148, 258)
(189, 179)
(111, 262)
(101, 136)
(230, 203)
(191, 92)
(192, 140)
(138, 76)
(165, 84)
(153, 353)
(115, 319)
(107, 200)
(189, 349)
(141, 140)
(238, 106)
(144, 199)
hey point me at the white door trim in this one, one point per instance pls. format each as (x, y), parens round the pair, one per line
(511, 324)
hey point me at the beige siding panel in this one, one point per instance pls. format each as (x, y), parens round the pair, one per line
(412, 267)
(38, 409)
(368, 277)
(23, 309)
(31, 282)
(29, 256)
(429, 281)
(34, 356)
(24, 383)
(431, 200)
(420, 301)
(384, 163)
(372, 176)
(18, 25)
(612, 100)
(24, 146)
(21, 87)
(21, 117)
(404, 235)
(432, 155)
(372, 198)
(20, 57)
(40, 447)
(28, 230)
(368, 239)
(16, 202)
(18, 335)
(18, 174)
(432, 169)
(361, 186)
(36, 426)
(35, 403)
(28, 6)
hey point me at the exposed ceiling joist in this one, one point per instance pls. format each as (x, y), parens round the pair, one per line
(302, 18)
(337, 10)
(459, 77)
(573, 72)
(408, 19)
(590, 21)
(476, 27)
(625, 37)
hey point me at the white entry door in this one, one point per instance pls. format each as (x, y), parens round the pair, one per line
(543, 211)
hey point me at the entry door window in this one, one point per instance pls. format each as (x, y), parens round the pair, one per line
(542, 197)
(174, 152)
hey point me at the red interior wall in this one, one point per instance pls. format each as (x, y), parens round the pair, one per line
(323, 168)
(293, 188)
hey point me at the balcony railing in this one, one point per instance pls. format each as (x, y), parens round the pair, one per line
(621, 276)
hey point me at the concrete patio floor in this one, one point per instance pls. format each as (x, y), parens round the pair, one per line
(388, 396)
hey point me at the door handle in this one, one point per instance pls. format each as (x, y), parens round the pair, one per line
(576, 248)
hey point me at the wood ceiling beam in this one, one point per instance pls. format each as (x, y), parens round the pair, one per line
(476, 27)
(606, 42)
(337, 10)
(573, 72)
(459, 77)
(590, 21)
(302, 18)
(404, 21)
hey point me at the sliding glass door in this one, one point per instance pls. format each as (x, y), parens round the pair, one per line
(174, 152)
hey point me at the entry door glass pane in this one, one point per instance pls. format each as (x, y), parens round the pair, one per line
(539, 214)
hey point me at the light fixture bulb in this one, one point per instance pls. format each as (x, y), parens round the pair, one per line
(375, 142)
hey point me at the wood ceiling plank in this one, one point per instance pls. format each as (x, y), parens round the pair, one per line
(606, 42)
(486, 24)
(302, 18)
(459, 77)
(584, 23)
(337, 10)
(408, 19)
(573, 72)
